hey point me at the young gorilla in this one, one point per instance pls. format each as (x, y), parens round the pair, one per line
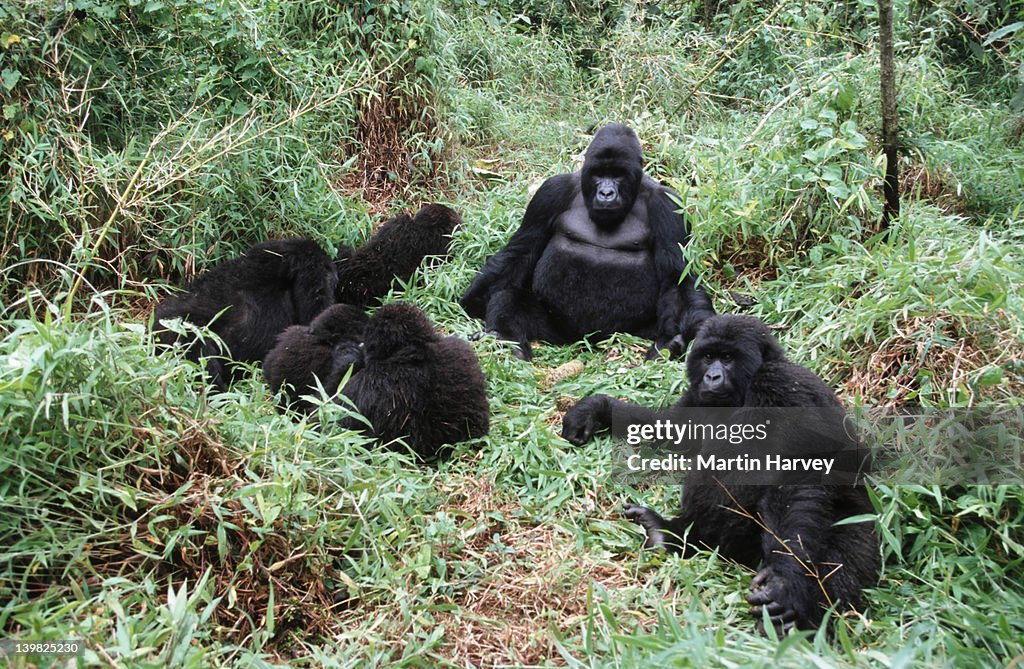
(736, 362)
(324, 350)
(248, 301)
(416, 385)
(598, 252)
(394, 252)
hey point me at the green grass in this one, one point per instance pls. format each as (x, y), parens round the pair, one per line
(167, 525)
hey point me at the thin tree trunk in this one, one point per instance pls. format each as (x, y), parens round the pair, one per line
(891, 189)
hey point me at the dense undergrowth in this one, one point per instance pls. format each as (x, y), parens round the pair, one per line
(171, 526)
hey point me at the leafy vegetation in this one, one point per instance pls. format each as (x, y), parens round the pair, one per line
(171, 526)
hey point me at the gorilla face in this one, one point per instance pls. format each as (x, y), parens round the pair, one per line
(611, 174)
(727, 353)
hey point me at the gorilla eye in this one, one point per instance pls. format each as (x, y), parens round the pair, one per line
(726, 357)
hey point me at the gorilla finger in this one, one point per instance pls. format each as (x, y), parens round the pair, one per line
(641, 515)
(787, 617)
(523, 351)
(677, 346)
(761, 577)
(654, 353)
(577, 436)
(759, 597)
(776, 610)
(630, 510)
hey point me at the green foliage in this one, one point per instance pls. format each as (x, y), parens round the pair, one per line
(168, 525)
(138, 135)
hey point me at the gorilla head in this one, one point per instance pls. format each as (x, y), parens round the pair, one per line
(399, 333)
(727, 353)
(611, 175)
(321, 352)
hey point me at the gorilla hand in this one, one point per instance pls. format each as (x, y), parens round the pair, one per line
(769, 592)
(589, 415)
(648, 519)
(674, 347)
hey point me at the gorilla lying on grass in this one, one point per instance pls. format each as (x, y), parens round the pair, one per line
(409, 382)
(598, 252)
(248, 301)
(806, 561)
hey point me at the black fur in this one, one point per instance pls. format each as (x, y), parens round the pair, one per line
(736, 362)
(416, 385)
(248, 301)
(324, 350)
(395, 251)
(598, 251)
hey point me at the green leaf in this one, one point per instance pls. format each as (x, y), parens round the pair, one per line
(9, 77)
(1003, 32)
(992, 376)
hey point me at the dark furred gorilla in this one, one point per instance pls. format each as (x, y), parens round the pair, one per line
(249, 300)
(417, 385)
(736, 362)
(598, 252)
(394, 252)
(324, 350)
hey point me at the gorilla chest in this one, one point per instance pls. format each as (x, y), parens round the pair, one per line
(599, 280)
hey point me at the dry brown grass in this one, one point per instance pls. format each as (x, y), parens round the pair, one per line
(935, 184)
(194, 486)
(951, 350)
(385, 168)
(514, 614)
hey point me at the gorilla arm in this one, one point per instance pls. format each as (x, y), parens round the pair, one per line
(682, 305)
(512, 267)
(789, 586)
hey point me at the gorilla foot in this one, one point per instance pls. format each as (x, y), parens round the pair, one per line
(522, 349)
(648, 519)
(769, 593)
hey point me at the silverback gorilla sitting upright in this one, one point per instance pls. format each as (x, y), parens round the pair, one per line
(598, 252)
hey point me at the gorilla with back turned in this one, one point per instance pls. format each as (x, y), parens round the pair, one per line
(407, 381)
(806, 561)
(248, 301)
(598, 252)
(417, 385)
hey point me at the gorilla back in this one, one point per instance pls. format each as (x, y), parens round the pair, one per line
(248, 301)
(598, 252)
(416, 385)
